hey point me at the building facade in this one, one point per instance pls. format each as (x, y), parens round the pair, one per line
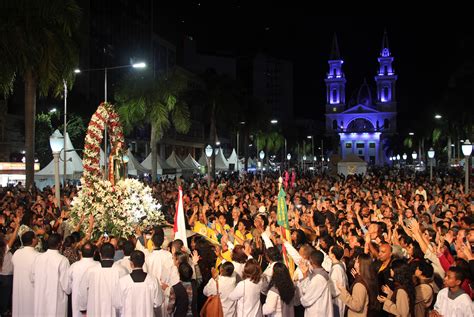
(361, 127)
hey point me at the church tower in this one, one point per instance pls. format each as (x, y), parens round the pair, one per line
(335, 81)
(386, 79)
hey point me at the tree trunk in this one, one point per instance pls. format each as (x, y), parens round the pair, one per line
(154, 152)
(30, 114)
(449, 150)
(213, 139)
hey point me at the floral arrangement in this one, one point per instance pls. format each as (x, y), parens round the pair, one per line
(105, 115)
(118, 209)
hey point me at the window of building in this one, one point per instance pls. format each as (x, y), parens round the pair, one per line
(372, 159)
(372, 145)
(334, 109)
(334, 125)
(334, 95)
(348, 145)
(385, 70)
(385, 96)
(360, 145)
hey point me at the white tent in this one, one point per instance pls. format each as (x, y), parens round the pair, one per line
(45, 177)
(233, 159)
(221, 162)
(190, 161)
(351, 165)
(174, 161)
(161, 165)
(134, 167)
(203, 159)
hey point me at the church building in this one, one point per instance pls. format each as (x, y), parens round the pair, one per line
(362, 125)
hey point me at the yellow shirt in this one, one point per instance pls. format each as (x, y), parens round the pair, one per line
(226, 256)
(219, 228)
(239, 234)
(204, 230)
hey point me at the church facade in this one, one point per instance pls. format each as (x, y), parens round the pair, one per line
(361, 125)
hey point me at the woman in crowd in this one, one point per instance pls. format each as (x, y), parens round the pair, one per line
(247, 292)
(362, 298)
(401, 301)
(281, 296)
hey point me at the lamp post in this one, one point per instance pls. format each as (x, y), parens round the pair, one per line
(64, 134)
(208, 151)
(56, 143)
(431, 155)
(466, 150)
(304, 163)
(262, 156)
(414, 155)
(288, 157)
(139, 65)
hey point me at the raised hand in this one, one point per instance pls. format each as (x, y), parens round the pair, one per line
(195, 257)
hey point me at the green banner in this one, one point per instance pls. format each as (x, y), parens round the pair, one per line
(282, 213)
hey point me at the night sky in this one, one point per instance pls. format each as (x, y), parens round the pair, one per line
(425, 51)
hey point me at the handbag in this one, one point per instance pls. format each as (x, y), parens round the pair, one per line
(213, 306)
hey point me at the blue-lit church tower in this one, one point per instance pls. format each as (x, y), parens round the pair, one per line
(362, 125)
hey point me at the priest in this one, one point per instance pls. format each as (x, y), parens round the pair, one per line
(23, 260)
(99, 285)
(50, 279)
(140, 293)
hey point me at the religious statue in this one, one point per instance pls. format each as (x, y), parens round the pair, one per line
(116, 166)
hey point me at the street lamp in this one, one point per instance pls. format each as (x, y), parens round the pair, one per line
(438, 116)
(262, 156)
(398, 157)
(466, 150)
(208, 151)
(56, 143)
(288, 156)
(414, 155)
(404, 156)
(274, 121)
(431, 155)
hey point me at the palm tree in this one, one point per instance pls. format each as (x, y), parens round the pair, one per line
(38, 43)
(158, 102)
(218, 96)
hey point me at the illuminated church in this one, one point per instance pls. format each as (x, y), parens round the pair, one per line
(362, 125)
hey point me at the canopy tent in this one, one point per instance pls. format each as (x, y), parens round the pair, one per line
(351, 165)
(134, 167)
(45, 177)
(203, 159)
(233, 159)
(190, 161)
(251, 163)
(221, 162)
(161, 166)
(174, 161)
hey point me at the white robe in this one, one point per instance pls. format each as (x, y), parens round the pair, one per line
(461, 306)
(247, 295)
(160, 265)
(338, 276)
(125, 262)
(226, 286)
(316, 296)
(51, 284)
(98, 290)
(23, 291)
(75, 274)
(139, 299)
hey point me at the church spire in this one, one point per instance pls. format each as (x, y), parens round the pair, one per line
(335, 54)
(385, 52)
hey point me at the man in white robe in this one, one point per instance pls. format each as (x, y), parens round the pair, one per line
(315, 291)
(23, 291)
(337, 276)
(99, 285)
(160, 264)
(76, 272)
(50, 279)
(452, 301)
(139, 292)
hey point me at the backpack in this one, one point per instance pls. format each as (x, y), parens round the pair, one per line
(213, 306)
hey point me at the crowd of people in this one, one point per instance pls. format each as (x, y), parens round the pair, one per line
(381, 244)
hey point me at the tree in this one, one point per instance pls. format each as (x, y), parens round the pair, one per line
(158, 102)
(45, 125)
(271, 142)
(38, 43)
(219, 97)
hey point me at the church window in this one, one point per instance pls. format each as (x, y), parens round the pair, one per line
(385, 96)
(348, 145)
(334, 72)
(334, 96)
(334, 125)
(372, 145)
(360, 145)
(385, 70)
